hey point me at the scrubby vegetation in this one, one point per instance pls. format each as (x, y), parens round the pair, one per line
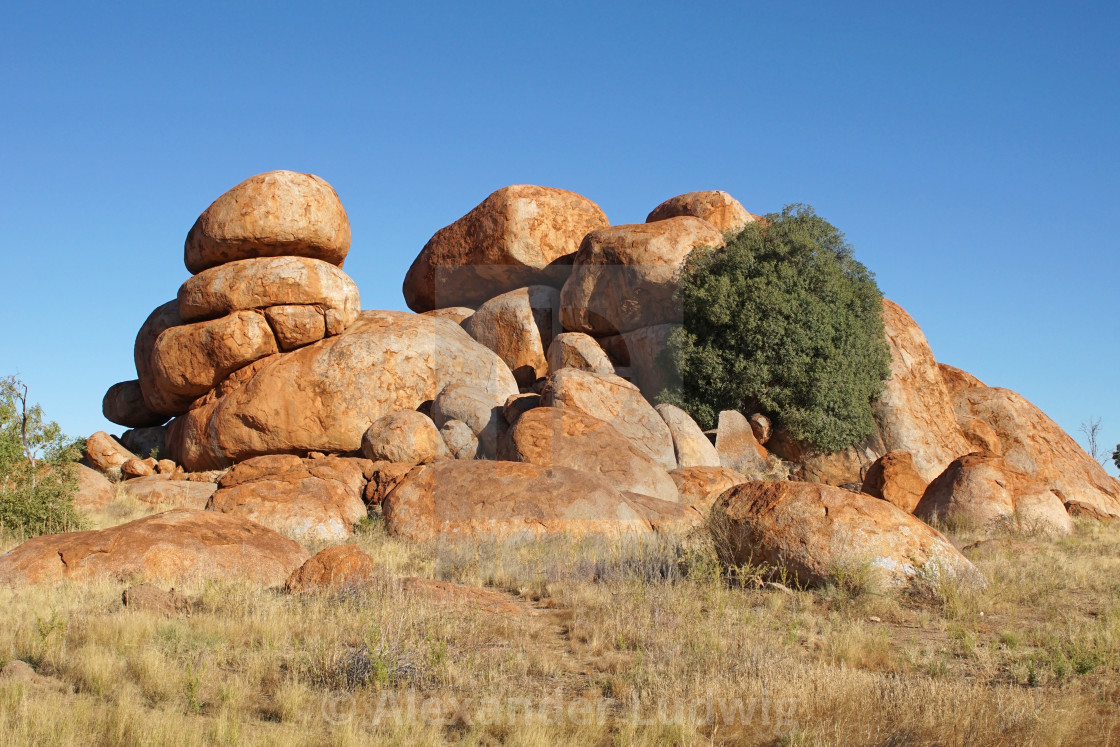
(645, 644)
(785, 321)
(37, 475)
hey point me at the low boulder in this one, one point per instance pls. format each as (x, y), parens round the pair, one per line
(616, 401)
(893, 478)
(313, 499)
(519, 236)
(986, 492)
(691, 446)
(519, 404)
(164, 492)
(174, 547)
(714, 206)
(815, 531)
(666, 517)
(519, 326)
(554, 437)
(479, 409)
(406, 436)
(151, 598)
(339, 566)
(737, 447)
(278, 213)
(460, 440)
(460, 499)
(382, 478)
(138, 467)
(124, 405)
(95, 492)
(835, 468)
(701, 487)
(577, 350)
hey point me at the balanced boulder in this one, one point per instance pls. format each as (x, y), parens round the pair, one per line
(625, 277)
(692, 447)
(124, 405)
(519, 326)
(406, 436)
(716, 207)
(519, 236)
(279, 213)
(893, 478)
(815, 531)
(105, 454)
(617, 402)
(175, 546)
(156, 398)
(555, 437)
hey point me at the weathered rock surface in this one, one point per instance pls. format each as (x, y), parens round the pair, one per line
(191, 359)
(157, 399)
(479, 409)
(174, 547)
(760, 425)
(700, 487)
(736, 444)
(124, 405)
(982, 437)
(829, 468)
(555, 437)
(985, 492)
(406, 436)
(617, 402)
(1033, 443)
(692, 447)
(577, 350)
(314, 499)
(167, 493)
(296, 326)
(915, 412)
(151, 598)
(815, 530)
(94, 489)
(714, 206)
(460, 439)
(457, 314)
(383, 478)
(339, 566)
(105, 454)
(519, 326)
(146, 442)
(640, 352)
(279, 213)
(893, 478)
(624, 277)
(666, 517)
(138, 467)
(505, 499)
(519, 236)
(955, 379)
(325, 396)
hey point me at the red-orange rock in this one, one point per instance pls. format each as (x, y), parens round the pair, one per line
(165, 493)
(342, 565)
(666, 517)
(447, 594)
(692, 447)
(479, 409)
(718, 208)
(176, 547)
(296, 326)
(279, 213)
(104, 453)
(520, 235)
(955, 379)
(138, 467)
(314, 499)
(893, 478)
(738, 449)
(814, 531)
(555, 437)
(577, 350)
(94, 489)
(124, 405)
(986, 492)
(156, 399)
(406, 436)
(624, 277)
(383, 478)
(324, 397)
(457, 314)
(983, 437)
(519, 326)
(701, 487)
(506, 500)
(829, 468)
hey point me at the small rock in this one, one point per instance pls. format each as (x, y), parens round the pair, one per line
(151, 598)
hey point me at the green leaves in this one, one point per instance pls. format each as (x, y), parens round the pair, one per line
(783, 320)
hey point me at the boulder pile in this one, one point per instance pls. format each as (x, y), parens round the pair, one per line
(517, 399)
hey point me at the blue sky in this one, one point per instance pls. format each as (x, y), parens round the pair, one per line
(969, 151)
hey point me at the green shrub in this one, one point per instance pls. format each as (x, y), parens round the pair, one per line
(785, 321)
(38, 476)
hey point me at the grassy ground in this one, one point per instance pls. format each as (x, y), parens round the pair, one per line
(603, 644)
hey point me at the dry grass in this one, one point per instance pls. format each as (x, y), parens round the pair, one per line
(644, 644)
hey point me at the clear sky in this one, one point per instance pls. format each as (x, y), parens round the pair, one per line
(969, 151)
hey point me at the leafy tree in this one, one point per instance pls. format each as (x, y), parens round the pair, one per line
(783, 320)
(38, 477)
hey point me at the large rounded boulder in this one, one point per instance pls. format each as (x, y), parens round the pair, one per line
(124, 405)
(716, 207)
(519, 236)
(519, 326)
(279, 213)
(325, 396)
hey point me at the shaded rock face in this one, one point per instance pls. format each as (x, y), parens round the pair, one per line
(638, 357)
(279, 213)
(146, 442)
(105, 454)
(339, 566)
(519, 404)
(577, 350)
(986, 492)
(760, 424)
(479, 409)
(174, 547)
(691, 446)
(164, 492)
(519, 326)
(124, 405)
(736, 444)
(406, 436)
(506, 500)
(829, 468)
(915, 412)
(324, 397)
(554, 437)
(1034, 444)
(384, 477)
(813, 531)
(701, 487)
(519, 236)
(617, 402)
(624, 277)
(893, 478)
(718, 208)
(313, 499)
